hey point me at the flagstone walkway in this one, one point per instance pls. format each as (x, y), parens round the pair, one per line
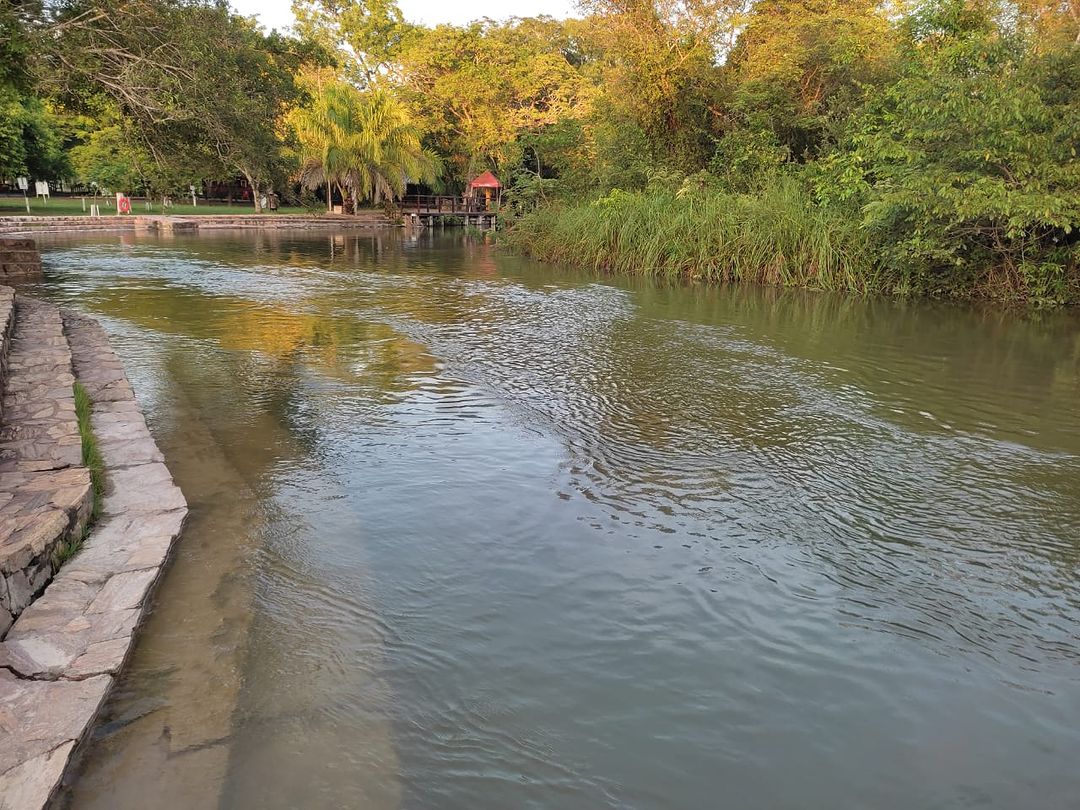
(68, 643)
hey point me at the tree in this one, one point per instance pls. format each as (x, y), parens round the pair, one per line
(966, 168)
(135, 52)
(30, 142)
(655, 63)
(109, 159)
(16, 43)
(105, 161)
(193, 82)
(1053, 24)
(362, 143)
(244, 82)
(366, 34)
(478, 89)
(799, 67)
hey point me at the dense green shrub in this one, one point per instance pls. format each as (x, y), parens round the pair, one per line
(965, 169)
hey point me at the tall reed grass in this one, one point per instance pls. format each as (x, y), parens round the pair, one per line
(777, 237)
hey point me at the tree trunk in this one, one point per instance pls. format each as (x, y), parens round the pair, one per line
(329, 199)
(254, 185)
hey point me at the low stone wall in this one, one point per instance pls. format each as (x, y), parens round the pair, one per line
(365, 219)
(19, 258)
(22, 225)
(61, 657)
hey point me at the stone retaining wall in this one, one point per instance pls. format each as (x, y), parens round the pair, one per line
(61, 657)
(19, 258)
(29, 224)
(7, 326)
(21, 225)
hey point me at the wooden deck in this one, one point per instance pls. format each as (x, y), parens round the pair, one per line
(429, 209)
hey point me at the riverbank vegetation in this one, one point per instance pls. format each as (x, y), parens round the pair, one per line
(776, 236)
(933, 152)
(927, 147)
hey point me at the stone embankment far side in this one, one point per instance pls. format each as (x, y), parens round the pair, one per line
(23, 226)
(63, 653)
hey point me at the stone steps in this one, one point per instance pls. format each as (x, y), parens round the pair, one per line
(45, 492)
(19, 258)
(27, 224)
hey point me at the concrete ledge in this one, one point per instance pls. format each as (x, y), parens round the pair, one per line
(60, 658)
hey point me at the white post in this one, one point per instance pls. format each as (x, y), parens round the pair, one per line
(24, 183)
(84, 204)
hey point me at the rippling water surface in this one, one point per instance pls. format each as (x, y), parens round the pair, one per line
(468, 532)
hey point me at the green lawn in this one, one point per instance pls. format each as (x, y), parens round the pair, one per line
(67, 206)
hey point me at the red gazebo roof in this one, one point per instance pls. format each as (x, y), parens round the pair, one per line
(486, 180)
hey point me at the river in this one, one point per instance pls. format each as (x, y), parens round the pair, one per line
(469, 532)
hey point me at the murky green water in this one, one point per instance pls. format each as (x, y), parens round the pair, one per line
(471, 533)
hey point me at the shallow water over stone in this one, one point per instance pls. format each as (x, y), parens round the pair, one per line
(468, 533)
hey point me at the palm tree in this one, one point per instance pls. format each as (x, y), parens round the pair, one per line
(362, 143)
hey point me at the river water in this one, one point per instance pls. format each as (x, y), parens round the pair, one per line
(468, 532)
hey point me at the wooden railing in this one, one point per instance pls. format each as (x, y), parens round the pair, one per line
(435, 204)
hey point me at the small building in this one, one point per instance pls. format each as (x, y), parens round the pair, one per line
(483, 189)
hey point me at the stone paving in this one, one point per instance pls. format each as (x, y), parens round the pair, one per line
(60, 658)
(45, 493)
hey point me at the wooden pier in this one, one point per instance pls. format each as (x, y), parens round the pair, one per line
(431, 209)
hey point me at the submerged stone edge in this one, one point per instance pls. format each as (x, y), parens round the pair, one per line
(61, 657)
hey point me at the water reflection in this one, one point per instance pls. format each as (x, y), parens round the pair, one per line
(468, 532)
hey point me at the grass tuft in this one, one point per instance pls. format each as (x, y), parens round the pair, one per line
(69, 548)
(91, 454)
